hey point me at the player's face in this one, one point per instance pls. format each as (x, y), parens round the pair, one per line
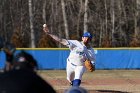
(85, 39)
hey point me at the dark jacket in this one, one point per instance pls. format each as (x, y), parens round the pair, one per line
(23, 81)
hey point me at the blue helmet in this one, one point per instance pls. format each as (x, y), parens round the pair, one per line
(87, 34)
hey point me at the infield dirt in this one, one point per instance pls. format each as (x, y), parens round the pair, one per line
(100, 81)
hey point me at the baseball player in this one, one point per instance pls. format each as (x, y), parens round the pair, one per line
(79, 52)
(9, 50)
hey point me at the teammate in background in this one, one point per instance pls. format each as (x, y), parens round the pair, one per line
(79, 52)
(9, 50)
(1, 43)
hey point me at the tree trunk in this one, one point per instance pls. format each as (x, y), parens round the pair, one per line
(106, 20)
(44, 12)
(79, 17)
(113, 22)
(101, 35)
(136, 17)
(120, 31)
(65, 19)
(85, 16)
(31, 24)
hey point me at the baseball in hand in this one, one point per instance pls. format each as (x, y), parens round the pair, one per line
(44, 25)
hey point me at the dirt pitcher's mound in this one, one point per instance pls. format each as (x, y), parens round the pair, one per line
(100, 81)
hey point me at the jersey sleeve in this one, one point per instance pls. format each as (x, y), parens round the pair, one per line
(91, 55)
(71, 44)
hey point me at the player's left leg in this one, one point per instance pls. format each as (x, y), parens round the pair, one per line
(78, 75)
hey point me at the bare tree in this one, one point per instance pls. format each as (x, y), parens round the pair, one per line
(137, 12)
(31, 24)
(135, 38)
(44, 11)
(113, 22)
(79, 17)
(106, 16)
(86, 16)
(65, 19)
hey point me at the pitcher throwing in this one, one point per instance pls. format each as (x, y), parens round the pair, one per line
(80, 51)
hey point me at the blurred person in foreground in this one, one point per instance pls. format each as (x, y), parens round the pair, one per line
(22, 78)
(75, 89)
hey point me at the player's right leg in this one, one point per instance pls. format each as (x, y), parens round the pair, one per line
(70, 72)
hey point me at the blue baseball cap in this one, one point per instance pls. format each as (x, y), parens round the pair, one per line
(87, 34)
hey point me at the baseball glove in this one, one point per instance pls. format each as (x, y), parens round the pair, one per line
(89, 66)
